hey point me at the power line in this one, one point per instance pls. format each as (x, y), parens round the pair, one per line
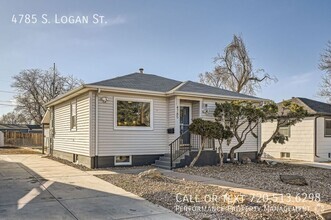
(4, 91)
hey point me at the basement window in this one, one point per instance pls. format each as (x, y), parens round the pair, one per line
(123, 160)
(327, 127)
(329, 154)
(285, 155)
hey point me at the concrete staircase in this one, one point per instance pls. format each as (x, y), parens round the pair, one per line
(164, 161)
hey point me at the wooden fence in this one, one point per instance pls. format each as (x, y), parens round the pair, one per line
(14, 138)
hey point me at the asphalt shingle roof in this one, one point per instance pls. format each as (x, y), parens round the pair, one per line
(141, 82)
(315, 107)
(195, 87)
(149, 82)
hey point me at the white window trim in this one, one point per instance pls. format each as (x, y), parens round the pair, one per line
(326, 135)
(134, 128)
(123, 163)
(73, 128)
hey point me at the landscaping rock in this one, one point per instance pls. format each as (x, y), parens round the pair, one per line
(293, 180)
(246, 160)
(154, 174)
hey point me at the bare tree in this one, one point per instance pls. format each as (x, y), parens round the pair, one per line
(13, 117)
(36, 87)
(234, 70)
(325, 65)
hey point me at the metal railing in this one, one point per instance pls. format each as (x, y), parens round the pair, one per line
(187, 142)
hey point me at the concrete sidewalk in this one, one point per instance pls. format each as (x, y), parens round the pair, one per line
(32, 187)
(317, 207)
(324, 165)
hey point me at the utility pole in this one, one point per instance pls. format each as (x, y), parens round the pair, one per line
(53, 81)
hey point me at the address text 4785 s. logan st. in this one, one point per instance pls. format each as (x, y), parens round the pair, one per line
(58, 19)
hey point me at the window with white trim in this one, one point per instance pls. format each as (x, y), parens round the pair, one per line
(133, 114)
(73, 115)
(327, 127)
(123, 160)
(285, 130)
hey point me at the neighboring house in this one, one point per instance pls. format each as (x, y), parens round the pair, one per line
(13, 134)
(132, 119)
(309, 140)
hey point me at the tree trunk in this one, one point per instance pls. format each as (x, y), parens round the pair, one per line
(199, 152)
(231, 154)
(265, 144)
(220, 151)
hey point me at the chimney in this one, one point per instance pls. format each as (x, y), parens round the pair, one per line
(141, 70)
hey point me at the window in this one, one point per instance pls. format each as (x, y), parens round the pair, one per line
(285, 155)
(285, 130)
(122, 160)
(327, 127)
(133, 114)
(73, 115)
(329, 154)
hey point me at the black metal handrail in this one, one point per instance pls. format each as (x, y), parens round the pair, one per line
(187, 142)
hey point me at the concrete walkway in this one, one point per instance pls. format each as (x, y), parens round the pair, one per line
(324, 165)
(317, 207)
(32, 187)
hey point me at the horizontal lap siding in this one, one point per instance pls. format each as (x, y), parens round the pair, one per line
(171, 117)
(132, 142)
(323, 143)
(73, 141)
(251, 143)
(300, 144)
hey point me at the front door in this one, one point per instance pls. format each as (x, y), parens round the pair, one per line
(184, 123)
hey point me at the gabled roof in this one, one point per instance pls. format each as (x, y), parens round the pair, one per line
(140, 81)
(313, 107)
(195, 87)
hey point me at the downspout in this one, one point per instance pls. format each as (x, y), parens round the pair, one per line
(96, 129)
(315, 136)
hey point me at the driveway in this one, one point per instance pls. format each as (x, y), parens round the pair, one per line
(32, 187)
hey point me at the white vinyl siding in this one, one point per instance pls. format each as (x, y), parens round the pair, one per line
(66, 140)
(172, 117)
(300, 144)
(251, 143)
(323, 142)
(132, 142)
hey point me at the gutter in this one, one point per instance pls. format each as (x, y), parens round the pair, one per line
(96, 129)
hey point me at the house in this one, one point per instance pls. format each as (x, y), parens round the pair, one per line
(19, 134)
(309, 140)
(135, 120)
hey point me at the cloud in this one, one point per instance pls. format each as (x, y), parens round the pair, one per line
(300, 79)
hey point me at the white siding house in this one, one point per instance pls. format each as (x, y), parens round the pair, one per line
(307, 140)
(131, 120)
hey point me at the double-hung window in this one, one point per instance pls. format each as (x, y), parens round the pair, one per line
(285, 130)
(327, 127)
(73, 115)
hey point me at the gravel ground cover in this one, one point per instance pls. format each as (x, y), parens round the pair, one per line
(264, 176)
(18, 150)
(198, 201)
(69, 163)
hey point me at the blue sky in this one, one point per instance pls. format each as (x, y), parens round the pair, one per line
(175, 39)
